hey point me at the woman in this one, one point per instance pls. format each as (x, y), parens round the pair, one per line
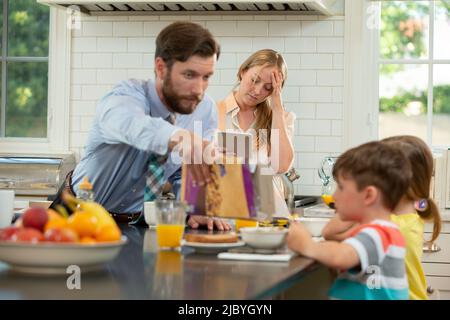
(256, 107)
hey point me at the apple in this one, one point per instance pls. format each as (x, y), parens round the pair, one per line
(28, 235)
(35, 217)
(7, 233)
(60, 235)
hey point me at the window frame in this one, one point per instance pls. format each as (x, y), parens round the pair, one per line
(57, 140)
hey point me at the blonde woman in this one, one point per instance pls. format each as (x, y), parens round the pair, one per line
(255, 106)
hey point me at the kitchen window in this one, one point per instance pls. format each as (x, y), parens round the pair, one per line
(24, 69)
(414, 70)
(35, 77)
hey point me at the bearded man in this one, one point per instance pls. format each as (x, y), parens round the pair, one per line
(141, 120)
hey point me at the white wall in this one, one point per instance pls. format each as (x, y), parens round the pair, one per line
(109, 49)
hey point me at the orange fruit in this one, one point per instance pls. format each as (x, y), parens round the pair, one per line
(55, 221)
(83, 223)
(108, 233)
(88, 240)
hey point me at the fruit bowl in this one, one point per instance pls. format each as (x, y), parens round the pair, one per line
(55, 258)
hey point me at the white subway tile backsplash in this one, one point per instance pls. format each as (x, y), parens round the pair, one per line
(338, 61)
(140, 74)
(77, 60)
(84, 76)
(111, 76)
(316, 61)
(290, 94)
(329, 111)
(302, 77)
(305, 110)
(300, 45)
(112, 44)
(235, 44)
(94, 92)
(144, 45)
(336, 128)
(128, 29)
(152, 28)
(328, 144)
(222, 28)
(84, 44)
(284, 28)
(304, 144)
(292, 60)
(97, 60)
(316, 94)
(83, 108)
(330, 45)
(127, 60)
(252, 28)
(276, 44)
(330, 77)
(97, 29)
(317, 28)
(109, 49)
(314, 127)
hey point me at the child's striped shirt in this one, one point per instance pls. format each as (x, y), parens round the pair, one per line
(381, 274)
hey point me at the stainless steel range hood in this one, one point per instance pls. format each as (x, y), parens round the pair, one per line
(146, 7)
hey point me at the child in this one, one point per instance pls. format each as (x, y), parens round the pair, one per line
(371, 179)
(414, 207)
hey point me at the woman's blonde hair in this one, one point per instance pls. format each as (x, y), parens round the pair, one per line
(266, 58)
(421, 159)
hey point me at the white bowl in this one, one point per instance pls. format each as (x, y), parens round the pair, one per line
(55, 258)
(314, 225)
(263, 237)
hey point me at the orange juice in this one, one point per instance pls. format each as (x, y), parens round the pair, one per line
(169, 235)
(328, 199)
(245, 223)
(169, 262)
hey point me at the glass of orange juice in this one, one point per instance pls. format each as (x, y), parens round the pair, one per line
(241, 223)
(170, 222)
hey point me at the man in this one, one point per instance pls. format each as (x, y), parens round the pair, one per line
(141, 119)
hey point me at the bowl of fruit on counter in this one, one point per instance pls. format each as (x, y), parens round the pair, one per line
(47, 241)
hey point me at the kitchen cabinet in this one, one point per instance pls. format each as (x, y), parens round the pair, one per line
(436, 261)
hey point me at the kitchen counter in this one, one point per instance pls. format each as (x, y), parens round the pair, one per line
(141, 272)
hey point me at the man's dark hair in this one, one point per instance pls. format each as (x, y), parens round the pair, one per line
(183, 39)
(378, 164)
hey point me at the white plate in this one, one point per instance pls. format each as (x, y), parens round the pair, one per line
(51, 258)
(212, 247)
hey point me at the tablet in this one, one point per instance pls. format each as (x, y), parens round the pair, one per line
(237, 143)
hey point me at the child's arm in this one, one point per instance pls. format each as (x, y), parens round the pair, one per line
(330, 253)
(338, 230)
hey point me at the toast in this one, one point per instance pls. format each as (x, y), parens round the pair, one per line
(212, 238)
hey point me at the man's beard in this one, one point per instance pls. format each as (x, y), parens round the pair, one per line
(174, 100)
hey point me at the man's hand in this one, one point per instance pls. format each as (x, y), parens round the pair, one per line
(195, 152)
(195, 221)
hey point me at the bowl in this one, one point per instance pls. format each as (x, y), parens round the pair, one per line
(264, 237)
(314, 225)
(55, 258)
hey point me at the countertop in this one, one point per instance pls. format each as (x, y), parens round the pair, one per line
(142, 272)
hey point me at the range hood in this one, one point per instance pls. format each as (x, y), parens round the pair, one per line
(146, 7)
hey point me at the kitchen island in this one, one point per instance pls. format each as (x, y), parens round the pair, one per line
(142, 272)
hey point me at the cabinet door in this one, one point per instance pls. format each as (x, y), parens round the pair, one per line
(442, 285)
(441, 252)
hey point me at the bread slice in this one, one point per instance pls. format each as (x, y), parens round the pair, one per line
(212, 238)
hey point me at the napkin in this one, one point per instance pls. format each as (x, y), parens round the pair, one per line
(282, 257)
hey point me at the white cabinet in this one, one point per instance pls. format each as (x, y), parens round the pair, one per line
(436, 262)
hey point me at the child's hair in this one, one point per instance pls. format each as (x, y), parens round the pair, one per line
(376, 164)
(421, 160)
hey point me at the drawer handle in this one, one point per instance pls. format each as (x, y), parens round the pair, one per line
(430, 290)
(431, 248)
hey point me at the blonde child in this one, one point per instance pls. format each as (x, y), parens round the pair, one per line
(371, 179)
(414, 208)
